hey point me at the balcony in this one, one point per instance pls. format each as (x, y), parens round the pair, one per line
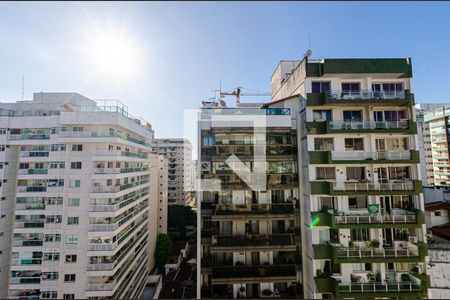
(29, 224)
(37, 153)
(31, 189)
(263, 242)
(101, 267)
(29, 136)
(253, 274)
(26, 280)
(404, 285)
(396, 98)
(364, 157)
(244, 211)
(103, 227)
(404, 126)
(103, 246)
(117, 188)
(27, 243)
(118, 170)
(402, 219)
(114, 153)
(401, 252)
(26, 262)
(394, 187)
(107, 286)
(33, 171)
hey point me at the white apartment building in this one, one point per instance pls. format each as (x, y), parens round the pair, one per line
(423, 133)
(78, 197)
(179, 155)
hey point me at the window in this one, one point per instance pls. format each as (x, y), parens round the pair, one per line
(75, 165)
(78, 129)
(320, 87)
(49, 295)
(68, 296)
(56, 165)
(54, 201)
(323, 144)
(355, 173)
(359, 235)
(51, 256)
(352, 115)
(50, 276)
(55, 182)
(57, 147)
(354, 144)
(362, 267)
(325, 173)
(72, 220)
(74, 202)
(350, 87)
(399, 172)
(69, 277)
(77, 147)
(52, 237)
(322, 115)
(71, 239)
(75, 183)
(72, 258)
(357, 202)
(53, 219)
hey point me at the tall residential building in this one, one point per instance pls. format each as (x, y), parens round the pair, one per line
(423, 133)
(359, 186)
(249, 238)
(361, 203)
(438, 124)
(76, 187)
(180, 183)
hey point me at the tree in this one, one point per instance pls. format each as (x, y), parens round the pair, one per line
(180, 216)
(162, 251)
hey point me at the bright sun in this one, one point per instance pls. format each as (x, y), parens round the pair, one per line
(113, 54)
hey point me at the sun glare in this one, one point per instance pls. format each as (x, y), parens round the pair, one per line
(113, 54)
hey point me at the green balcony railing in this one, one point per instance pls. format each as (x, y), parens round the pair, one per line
(400, 187)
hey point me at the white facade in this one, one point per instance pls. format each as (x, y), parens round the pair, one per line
(80, 185)
(180, 183)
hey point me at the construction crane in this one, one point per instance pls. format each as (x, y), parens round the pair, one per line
(237, 92)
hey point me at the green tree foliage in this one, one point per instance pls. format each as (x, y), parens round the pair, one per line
(180, 216)
(162, 251)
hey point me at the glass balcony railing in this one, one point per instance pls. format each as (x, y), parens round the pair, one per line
(119, 170)
(37, 153)
(107, 286)
(29, 136)
(117, 188)
(32, 171)
(208, 112)
(349, 95)
(25, 280)
(404, 218)
(377, 155)
(338, 125)
(30, 189)
(400, 185)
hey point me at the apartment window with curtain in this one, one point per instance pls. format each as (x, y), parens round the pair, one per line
(323, 144)
(351, 87)
(356, 173)
(399, 172)
(352, 115)
(322, 115)
(357, 202)
(352, 144)
(359, 235)
(325, 173)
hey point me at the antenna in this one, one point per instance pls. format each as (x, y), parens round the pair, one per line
(23, 85)
(309, 40)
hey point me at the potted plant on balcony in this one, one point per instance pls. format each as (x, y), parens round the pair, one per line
(375, 243)
(266, 293)
(351, 244)
(371, 277)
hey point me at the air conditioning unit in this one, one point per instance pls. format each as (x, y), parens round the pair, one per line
(413, 239)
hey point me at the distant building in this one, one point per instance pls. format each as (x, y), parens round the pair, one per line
(179, 155)
(78, 208)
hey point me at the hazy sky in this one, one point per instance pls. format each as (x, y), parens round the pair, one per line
(179, 51)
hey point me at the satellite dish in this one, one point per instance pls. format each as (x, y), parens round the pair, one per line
(223, 103)
(308, 53)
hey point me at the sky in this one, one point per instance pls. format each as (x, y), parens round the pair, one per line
(172, 55)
